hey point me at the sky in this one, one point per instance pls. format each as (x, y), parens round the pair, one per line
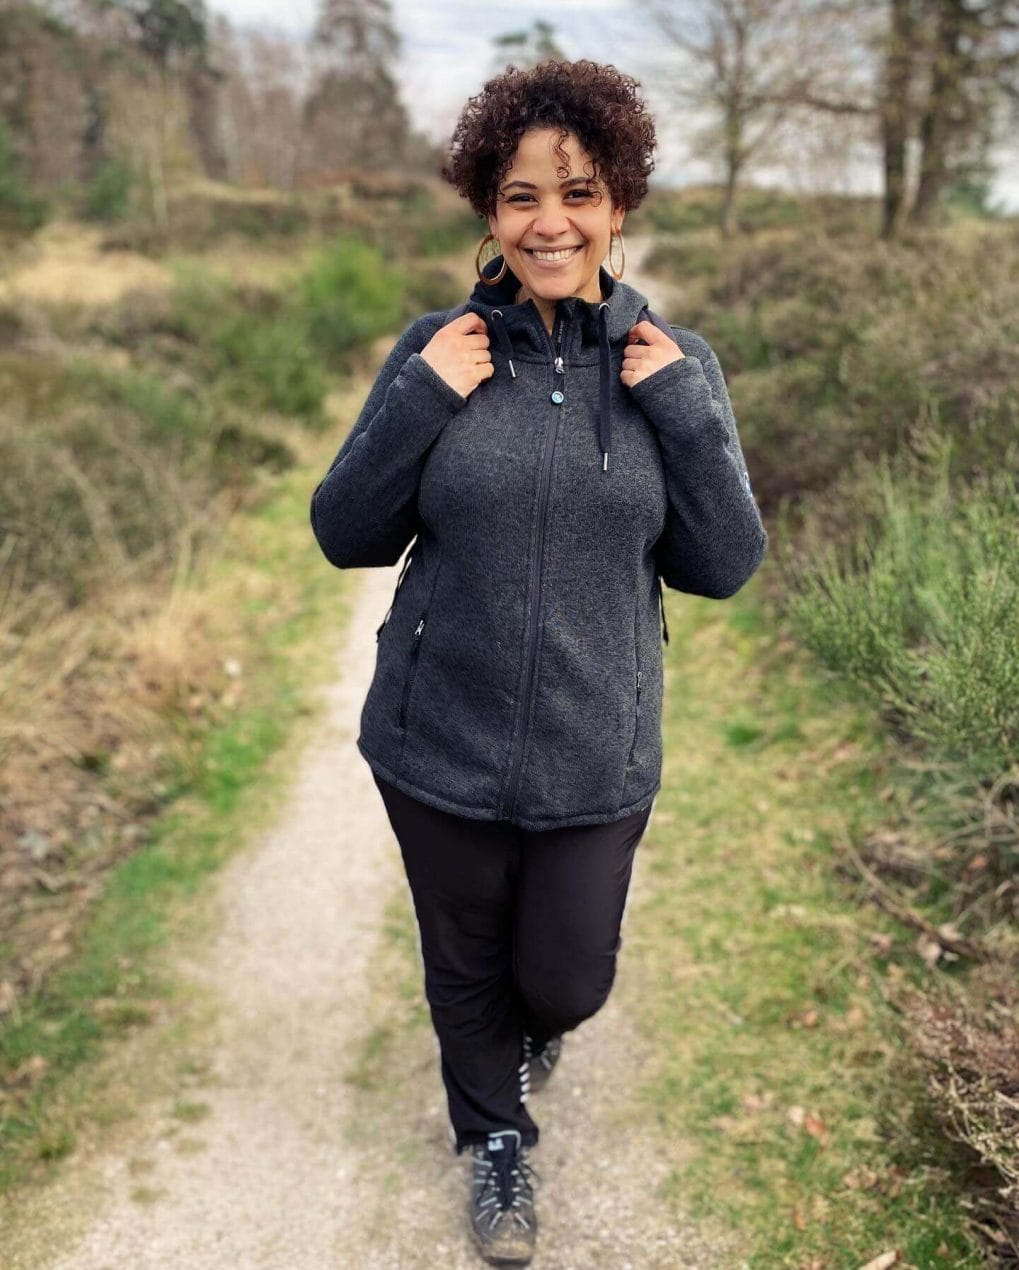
(447, 54)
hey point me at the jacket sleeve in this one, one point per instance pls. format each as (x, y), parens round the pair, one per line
(364, 510)
(714, 538)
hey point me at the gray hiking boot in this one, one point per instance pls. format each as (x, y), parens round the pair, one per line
(539, 1066)
(503, 1221)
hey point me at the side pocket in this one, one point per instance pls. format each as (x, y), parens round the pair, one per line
(399, 583)
(408, 680)
(636, 721)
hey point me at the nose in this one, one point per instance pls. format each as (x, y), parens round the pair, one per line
(551, 223)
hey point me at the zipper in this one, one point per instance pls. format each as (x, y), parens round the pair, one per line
(399, 583)
(556, 352)
(409, 678)
(661, 604)
(636, 722)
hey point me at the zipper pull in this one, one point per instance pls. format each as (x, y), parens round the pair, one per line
(638, 685)
(419, 628)
(559, 366)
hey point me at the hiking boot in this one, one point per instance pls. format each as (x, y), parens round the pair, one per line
(503, 1221)
(540, 1065)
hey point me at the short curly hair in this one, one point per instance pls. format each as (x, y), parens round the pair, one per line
(597, 103)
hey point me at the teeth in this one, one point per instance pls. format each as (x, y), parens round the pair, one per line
(555, 255)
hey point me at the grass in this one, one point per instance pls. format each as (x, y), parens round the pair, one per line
(269, 589)
(757, 979)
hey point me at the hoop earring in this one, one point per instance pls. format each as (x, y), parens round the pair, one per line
(488, 238)
(622, 246)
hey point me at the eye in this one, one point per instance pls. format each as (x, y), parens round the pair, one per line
(516, 198)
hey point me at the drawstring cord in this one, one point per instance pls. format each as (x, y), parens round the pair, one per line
(504, 340)
(604, 372)
(605, 378)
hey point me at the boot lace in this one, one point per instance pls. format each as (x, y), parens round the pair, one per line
(507, 1181)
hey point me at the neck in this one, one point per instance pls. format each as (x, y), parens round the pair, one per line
(590, 291)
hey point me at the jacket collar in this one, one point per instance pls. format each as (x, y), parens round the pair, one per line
(521, 333)
(523, 321)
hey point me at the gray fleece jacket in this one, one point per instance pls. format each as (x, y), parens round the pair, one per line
(519, 669)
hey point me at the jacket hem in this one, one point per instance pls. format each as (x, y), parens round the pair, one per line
(489, 813)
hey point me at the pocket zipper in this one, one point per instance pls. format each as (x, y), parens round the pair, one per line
(636, 722)
(399, 583)
(409, 679)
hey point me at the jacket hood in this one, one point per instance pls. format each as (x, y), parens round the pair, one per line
(595, 326)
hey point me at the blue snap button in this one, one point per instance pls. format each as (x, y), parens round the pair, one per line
(558, 397)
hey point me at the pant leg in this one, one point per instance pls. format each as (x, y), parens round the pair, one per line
(571, 896)
(462, 875)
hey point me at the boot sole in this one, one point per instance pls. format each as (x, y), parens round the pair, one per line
(495, 1258)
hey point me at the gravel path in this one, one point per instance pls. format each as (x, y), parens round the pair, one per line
(274, 1174)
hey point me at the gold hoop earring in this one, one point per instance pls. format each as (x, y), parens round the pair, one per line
(622, 246)
(488, 238)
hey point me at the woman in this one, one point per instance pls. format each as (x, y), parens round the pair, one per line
(554, 455)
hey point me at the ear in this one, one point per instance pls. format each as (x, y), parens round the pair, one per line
(617, 221)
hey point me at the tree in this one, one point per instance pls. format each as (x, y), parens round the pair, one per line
(353, 116)
(935, 73)
(973, 63)
(753, 66)
(526, 48)
(166, 32)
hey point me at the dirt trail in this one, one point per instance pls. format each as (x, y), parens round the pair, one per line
(271, 1176)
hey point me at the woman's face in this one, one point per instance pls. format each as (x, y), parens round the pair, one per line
(540, 208)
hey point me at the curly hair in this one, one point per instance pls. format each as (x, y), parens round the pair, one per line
(597, 103)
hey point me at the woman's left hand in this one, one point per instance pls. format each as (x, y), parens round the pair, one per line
(641, 360)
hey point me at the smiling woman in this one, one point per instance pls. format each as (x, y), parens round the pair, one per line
(554, 159)
(514, 721)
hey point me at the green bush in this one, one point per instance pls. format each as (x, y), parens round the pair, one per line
(107, 196)
(442, 235)
(18, 208)
(270, 364)
(921, 611)
(847, 343)
(348, 296)
(250, 346)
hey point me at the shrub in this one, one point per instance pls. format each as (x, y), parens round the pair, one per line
(349, 296)
(921, 610)
(107, 196)
(18, 208)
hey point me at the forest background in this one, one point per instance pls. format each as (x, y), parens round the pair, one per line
(206, 235)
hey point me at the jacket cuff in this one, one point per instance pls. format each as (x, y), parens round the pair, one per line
(677, 383)
(429, 377)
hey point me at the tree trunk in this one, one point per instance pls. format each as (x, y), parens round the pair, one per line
(936, 122)
(898, 73)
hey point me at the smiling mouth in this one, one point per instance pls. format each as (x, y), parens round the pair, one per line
(560, 253)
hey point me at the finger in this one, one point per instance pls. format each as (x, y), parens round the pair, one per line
(470, 322)
(645, 328)
(477, 341)
(648, 332)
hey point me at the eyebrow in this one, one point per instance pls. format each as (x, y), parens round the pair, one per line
(573, 180)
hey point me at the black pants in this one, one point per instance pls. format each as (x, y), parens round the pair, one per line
(519, 933)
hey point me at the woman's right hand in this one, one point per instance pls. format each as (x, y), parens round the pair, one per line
(459, 353)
